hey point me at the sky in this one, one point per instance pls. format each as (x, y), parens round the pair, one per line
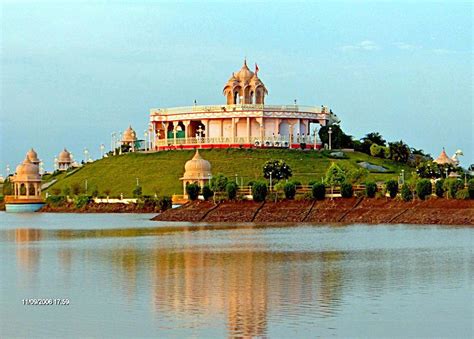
(74, 72)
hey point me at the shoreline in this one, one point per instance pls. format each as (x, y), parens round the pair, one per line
(343, 211)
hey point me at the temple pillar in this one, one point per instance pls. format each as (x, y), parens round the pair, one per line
(186, 130)
(205, 122)
(27, 186)
(248, 130)
(166, 132)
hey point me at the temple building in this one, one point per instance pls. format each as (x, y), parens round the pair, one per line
(243, 121)
(64, 160)
(197, 170)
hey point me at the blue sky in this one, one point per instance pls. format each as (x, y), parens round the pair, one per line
(73, 73)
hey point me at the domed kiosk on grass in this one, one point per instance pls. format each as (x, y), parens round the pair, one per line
(64, 160)
(197, 170)
(129, 138)
(26, 187)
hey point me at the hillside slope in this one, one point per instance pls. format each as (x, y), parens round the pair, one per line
(160, 172)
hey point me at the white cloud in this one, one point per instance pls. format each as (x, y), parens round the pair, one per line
(366, 45)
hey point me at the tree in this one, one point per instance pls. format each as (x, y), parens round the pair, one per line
(137, 192)
(259, 191)
(231, 190)
(218, 183)
(470, 188)
(318, 191)
(423, 188)
(428, 170)
(338, 138)
(399, 151)
(192, 191)
(277, 169)
(207, 192)
(392, 188)
(374, 138)
(346, 190)
(335, 176)
(406, 193)
(290, 190)
(370, 189)
(439, 188)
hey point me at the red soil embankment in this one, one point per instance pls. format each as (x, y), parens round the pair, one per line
(353, 210)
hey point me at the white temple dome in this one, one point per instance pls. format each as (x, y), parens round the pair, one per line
(197, 168)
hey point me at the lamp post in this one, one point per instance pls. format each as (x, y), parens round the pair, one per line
(102, 147)
(403, 177)
(56, 163)
(446, 171)
(330, 137)
(138, 183)
(8, 170)
(86, 155)
(199, 133)
(86, 185)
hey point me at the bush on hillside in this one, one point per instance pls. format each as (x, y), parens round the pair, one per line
(346, 190)
(452, 186)
(137, 192)
(370, 189)
(462, 194)
(66, 191)
(406, 193)
(392, 188)
(290, 190)
(277, 170)
(259, 191)
(423, 188)
(76, 188)
(82, 200)
(218, 183)
(231, 190)
(207, 193)
(56, 200)
(318, 191)
(470, 188)
(439, 188)
(56, 191)
(164, 203)
(192, 190)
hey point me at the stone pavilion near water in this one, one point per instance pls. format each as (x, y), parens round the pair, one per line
(27, 181)
(197, 170)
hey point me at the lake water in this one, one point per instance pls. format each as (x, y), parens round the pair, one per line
(124, 275)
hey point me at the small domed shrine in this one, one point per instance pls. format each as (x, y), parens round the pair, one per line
(245, 87)
(27, 181)
(197, 170)
(33, 157)
(129, 138)
(64, 160)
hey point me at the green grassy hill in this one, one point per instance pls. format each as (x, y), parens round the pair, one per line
(160, 172)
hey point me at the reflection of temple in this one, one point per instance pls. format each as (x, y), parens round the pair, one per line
(27, 256)
(244, 121)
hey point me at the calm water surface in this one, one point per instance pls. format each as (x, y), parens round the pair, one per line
(127, 276)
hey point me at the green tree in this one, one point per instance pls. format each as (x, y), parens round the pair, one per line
(439, 188)
(335, 176)
(277, 169)
(423, 188)
(207, 193)
(318, 191)
(290, 190)
(470, 188)
(370, 189)
(137, 192)
(346, 190)
(231, 190)
(392, 188)
(259, 191)
(192, 190)
(338, 138)
(406, 193)
(218, 183)
(399, 151)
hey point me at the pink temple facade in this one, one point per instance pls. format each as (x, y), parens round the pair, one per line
(244, 121)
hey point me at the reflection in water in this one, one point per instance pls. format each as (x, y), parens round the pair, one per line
(248, 279)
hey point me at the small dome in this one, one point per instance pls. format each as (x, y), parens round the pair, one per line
(27, 171)
(64, 156)
(32, 156)
(197, 168)
(245, 74)
(129, 135)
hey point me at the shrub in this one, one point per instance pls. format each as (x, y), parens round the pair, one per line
(453, 186)
(439, 188)
(56, 200)
(470, 188)
(392, 188)
(423, 188)
(56, 191)
(346, 190)
(82, 200)
(259, 191)
(319, 191)
(406, 193)
(278, 169)
(290, 190)
(76, 188)
(137, 192)
(192, 190)
(207, 193)
(164, 203)
(462, 194)
(231, 190)
(66, 191)
(370, 189)
(218, 183)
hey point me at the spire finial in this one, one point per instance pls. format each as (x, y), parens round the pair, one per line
(245, 61)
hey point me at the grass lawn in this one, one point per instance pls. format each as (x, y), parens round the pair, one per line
(160, 172)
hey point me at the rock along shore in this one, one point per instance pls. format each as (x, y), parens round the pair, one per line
(347, 211)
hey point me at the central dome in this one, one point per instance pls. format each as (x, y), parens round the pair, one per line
(32, 156)
(245, 74)
(64, 156)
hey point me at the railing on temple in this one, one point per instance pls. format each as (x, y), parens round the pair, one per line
(281, 141)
